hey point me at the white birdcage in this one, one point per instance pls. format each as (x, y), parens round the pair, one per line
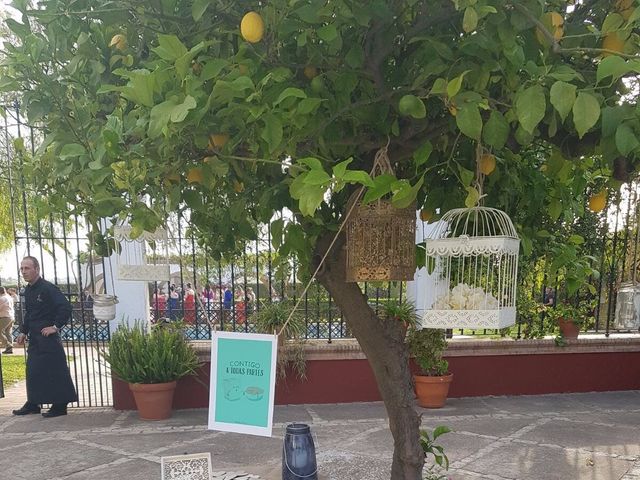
(474, 255)
(145, 258)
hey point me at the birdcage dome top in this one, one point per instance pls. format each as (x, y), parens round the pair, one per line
(477, 230)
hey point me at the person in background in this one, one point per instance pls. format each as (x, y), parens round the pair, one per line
(174, 301)
(227, 302)
(189, 305)
(159, 303)
(47, 310)
(251, 300)
(549, 299)
(14, 295)
(7, 317)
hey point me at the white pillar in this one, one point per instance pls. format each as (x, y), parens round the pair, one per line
(133, 296)
(421, 291)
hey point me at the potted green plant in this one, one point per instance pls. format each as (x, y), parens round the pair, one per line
(151, 361)
(402, 311)
(570, 316)
(277, 317)
(427, 347)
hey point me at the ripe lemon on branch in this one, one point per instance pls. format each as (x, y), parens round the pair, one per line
(218, 140)
(119, 41)
(252, 27)
(194, 175)
(487, 163)
(598, 201)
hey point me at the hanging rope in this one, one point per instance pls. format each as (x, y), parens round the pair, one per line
(381, 164)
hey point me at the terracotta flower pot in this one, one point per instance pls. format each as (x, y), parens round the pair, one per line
(432, 392)
(568, 328)
(154, 400)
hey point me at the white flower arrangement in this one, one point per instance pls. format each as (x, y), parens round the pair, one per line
(466, 297)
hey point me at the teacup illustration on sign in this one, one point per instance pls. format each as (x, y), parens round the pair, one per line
(232, 391)
(254, 393)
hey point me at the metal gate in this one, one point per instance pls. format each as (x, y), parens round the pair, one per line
(60, 245)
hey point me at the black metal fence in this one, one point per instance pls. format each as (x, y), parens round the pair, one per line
(239, 286)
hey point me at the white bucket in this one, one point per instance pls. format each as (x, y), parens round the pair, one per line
(104, 307)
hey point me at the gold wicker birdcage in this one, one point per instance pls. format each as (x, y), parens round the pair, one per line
(380, 237)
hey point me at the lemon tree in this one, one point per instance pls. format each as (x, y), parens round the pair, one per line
(130, 93)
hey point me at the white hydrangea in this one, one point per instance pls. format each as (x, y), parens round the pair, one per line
(465, 297)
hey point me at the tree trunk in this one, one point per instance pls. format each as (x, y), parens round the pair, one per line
(382, 341)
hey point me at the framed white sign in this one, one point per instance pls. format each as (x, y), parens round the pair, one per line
(243, 380)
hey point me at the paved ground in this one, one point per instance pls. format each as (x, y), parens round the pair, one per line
(592, 436)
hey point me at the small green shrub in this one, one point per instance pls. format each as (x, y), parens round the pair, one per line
(427, 346)
(159, 356)
(291, 355)
(429, 446)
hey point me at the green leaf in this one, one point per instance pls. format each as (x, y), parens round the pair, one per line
(626, 139)
(496, 131)
(576, 239)
(530, 107)
(183, 64)
(339, 169)
(160, 116)
(310, 200)
(180, 112)
(470, 19)
(439, 87)
(612, 23)
(140, 87)
(358, 176)
(71, 150)
(355, 56)
(466, 175)
(562, 96)
(198, 8)
(586, 112)
(404, 197)
(277, 227)
(421, 155)
(381, 187)
(290, 92)
(212, 68)
(308, 105)
(311, 162)
(472, 197)
(328, 33)
(410, 105)
(613, 66)
(454, 86)
(272, 133)
(317, 177)
(217, 166)
(170, 48)
(469, 121)
(555, 208)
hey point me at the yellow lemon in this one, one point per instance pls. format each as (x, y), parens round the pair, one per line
(612, 41)
(598, 201)
(426, 214)
(252, 27)
(487, 163)
(553, 22)
(194, 175)
(218, 140)
(119, 41)
(310, 72)
(238, 187)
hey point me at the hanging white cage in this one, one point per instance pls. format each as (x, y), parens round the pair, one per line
(145, 258)
(474, 256)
